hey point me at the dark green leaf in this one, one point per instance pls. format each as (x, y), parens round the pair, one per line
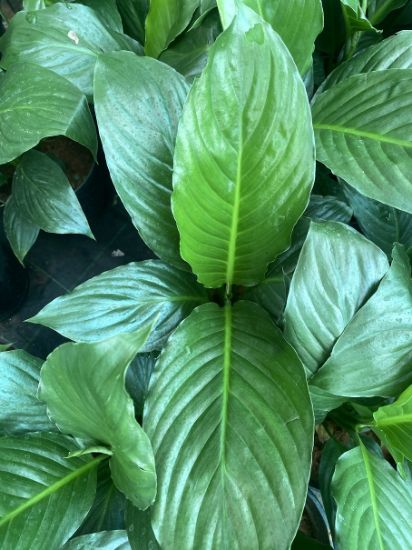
(138, 379)
(331, 452)
(123, 300)
(107, 12)
(43, 495)
(133, 13)
(138, 105)
(45, 198)
(236, 198)
(37, 103)
(21, 234)
(20, 410)
(105, 540)
(230, 420)
(270, 294)
(83, 386)
(139, 529)
(379, 9)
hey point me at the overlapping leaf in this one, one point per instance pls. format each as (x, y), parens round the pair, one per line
(379, 9)
(236, 198)
(83, 386)
(355, 17)
(138, 105)
(133, 13)
(229, 417)
(123, 300)
(20, 233)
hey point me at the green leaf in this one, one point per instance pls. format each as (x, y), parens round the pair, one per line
(373, 355)
(165, 21)
(123, 300)
(331, 452)
(45, 198)
(188, 55)
(230, 420)
(236, 198)
(74, 31)
(355, 18)
(20, 233)
(105, 540)
(373, 501)
(83, 386)
(394, 424)
(270, 294)
(337, 271)
(20, 410)
(303, 542)
(133, 13)
(138, 379)
(299, 36)
(43, 496)
(381, 224)
(139, 529)
(138, 106)
(107, 11)
(379, 9)
(37, 103)
(369, 118)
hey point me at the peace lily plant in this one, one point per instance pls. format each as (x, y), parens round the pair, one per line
(281, 299)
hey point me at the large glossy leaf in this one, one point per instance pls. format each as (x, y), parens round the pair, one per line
(165, 21)
(36, 103)
(394, 424)
(368, 118)
(189, 53)
(138, 105)
(20, 410)
(373, 502)
(123, 300)
(382, 224)
(373, 356)
(45, 198)
(83, 386)
(105, 540)
(244, 157)
(297, 21)
(133, 13)
(74, 31)
(20, 233)
(43, 495)
(230, 420)
(337, 271)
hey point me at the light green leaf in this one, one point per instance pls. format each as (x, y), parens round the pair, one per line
(83, 386)
(379, 9)
(373, 501)
(381, 224)
(45, 198)
(236, 198)
(394, 424)
(20, 410)
(373, 356)
(189, 53)
(139, 529)
(123, 300)
(105, 540)
(230, 420)
(36, 103)
(297, 21)
(165, 21)
(368, 118)
(133, 13)
(138, 106)
(337, 271)
(74, 31)
(44, 496)
(20, 233)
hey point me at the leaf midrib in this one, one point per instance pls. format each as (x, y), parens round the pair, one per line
(372, 492)
(363, 134)
(50, 490)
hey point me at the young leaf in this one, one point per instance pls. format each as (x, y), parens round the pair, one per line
(237, 195)
(337, 271)
(229, 416)
(45, 198)
(138, 104)
(374, 353)
(394, 423)
(44, 496)
(165, 21)
(373, 503)
(83, 386)
(20, 410)
(299, 37)
(355, 18)
(369, 116)
(37, 103)
(133, 13)
(105, 540)
(74, 31)
(20, 233)
(123, 300)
